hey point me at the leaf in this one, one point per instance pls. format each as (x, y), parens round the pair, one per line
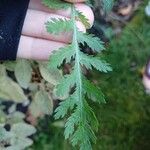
(65, 53)
(72, 121)
(58, 26)
(93, 92)
(23, 73)
(83, 19)
(10, 65)
(20, 143)
(4, 135)
(2, 70)
(93, 42)
(56, 4)
(82, 122)
(56, 96)
(41, 104)
(91, 118)
(50, 75)
(84, 135)
(59, 124)
(33, 87)
(3, 116)
(22, 130)
(62, 89)
(90, 61)
(10, 90)
(16, 117)
(65, 106)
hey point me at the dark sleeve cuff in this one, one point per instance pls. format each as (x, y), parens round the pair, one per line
(12, 15)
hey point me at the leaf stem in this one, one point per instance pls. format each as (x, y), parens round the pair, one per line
(78, 69)
(76, 47)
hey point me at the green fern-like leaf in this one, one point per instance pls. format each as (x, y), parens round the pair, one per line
(56, 26)
(82, 122)
(58, 57)
(72, 121)
(66, 84)
(83, 19)
(65, 106)
(93, 42)
(93, 92)
(95, 62)
(83, 137)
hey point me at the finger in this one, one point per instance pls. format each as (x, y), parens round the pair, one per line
(34, 26)
(86, 10)
(36, 49)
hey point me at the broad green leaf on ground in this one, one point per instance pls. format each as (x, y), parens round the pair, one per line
(23, 73)
(10, 90)
(22, 130)
(10, 66)
(19, 143)
(16, 117)
(2, 70)
(50, 75)
(42, 104)
(33, 87)
(17, 137)
(3, 116)
(4, 135)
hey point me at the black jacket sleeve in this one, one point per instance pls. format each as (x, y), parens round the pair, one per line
(12, 15)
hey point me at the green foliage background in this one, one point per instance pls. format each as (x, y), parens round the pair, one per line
(124, 119)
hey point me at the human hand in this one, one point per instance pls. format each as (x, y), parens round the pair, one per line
(35, 43)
